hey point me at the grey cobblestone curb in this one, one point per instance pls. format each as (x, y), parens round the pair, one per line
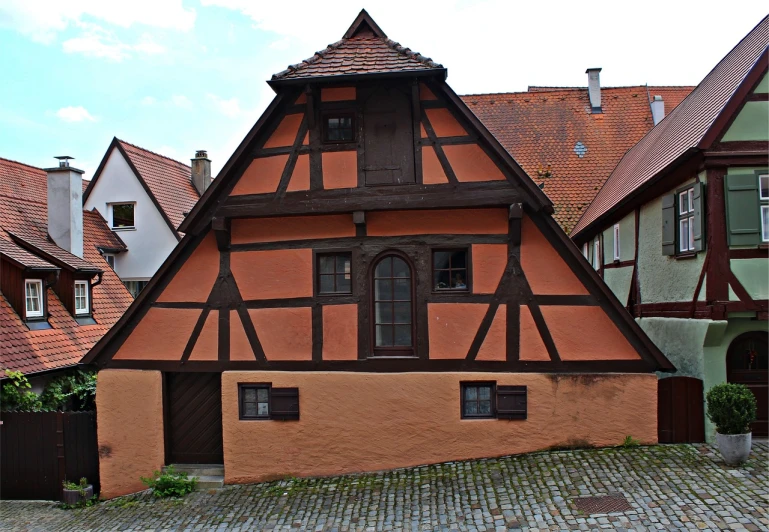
(669, 488)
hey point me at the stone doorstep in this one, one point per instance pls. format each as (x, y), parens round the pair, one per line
(210, 476)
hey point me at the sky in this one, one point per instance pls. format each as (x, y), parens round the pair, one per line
(175, 76)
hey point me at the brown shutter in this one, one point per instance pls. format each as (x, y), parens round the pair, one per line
(511, 402)
(699, 218)
(669, 224)
(284, 404)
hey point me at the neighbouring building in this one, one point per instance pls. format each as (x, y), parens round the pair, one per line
(57, 294)
(144, 197)
(371, 282)
(569, 139)
(680, 231)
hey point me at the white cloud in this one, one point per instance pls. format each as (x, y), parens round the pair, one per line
(148, 100)
(180, 100)
(228, 107)
(75, 114)
(96, 41)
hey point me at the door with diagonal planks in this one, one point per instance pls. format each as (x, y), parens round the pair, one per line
(194, 418)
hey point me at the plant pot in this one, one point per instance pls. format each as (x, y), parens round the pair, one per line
(735, 448)
(75, 497)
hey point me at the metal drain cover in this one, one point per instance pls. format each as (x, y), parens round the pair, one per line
(602, 505)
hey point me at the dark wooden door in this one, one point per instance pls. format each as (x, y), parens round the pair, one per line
(680, 410)
(747, 362)
(194, 418)
(388, 138)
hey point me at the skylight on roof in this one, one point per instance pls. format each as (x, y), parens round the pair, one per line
(580, 149)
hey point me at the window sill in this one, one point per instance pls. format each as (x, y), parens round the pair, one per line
(118, 229)
(686, 256)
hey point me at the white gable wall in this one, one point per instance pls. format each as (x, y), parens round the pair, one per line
(152, 239)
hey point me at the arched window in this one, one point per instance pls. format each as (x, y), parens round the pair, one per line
(393, 308)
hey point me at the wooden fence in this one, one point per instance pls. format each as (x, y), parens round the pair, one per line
(39, 450)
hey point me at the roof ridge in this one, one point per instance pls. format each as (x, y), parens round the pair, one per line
(565, 89)
(153, 153)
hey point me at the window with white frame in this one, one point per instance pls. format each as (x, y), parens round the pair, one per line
(123, 215)
(81, 297)
(110, 260)
(597, 254)
(763, 195)
(585, 252)
(33, 290)
(616, 241)
(686, 220)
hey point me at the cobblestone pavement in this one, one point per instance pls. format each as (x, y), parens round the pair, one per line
(668, 488)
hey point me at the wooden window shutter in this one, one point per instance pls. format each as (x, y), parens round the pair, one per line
(669, 224)
(699, 216)
(743, 219)
(511, 402)
(284, 404)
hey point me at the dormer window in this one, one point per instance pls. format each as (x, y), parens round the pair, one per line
(33, 290)
(123, 215)
(82, 303)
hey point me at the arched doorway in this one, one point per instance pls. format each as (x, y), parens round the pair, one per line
(747, 362)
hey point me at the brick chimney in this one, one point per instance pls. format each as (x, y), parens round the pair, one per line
(65, 206)
(658, 109)
(201, 171)
(594, 89)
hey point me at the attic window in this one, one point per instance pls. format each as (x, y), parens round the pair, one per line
(82, 305)
(123, 215)
(338, 127)
(33, 290)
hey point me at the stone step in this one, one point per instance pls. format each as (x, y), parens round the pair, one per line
(207, 482)
(199, 470)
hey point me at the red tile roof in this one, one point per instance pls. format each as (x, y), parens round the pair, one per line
(551, 126)
(23, 210)
(684, 128)
(364, 49)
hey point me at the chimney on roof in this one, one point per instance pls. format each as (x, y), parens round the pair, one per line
(594, 89)
(65, 206)
(201, 171)
(658, 109)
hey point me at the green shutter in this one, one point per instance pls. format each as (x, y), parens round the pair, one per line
(743, 220)
(699, 219)
(669, 224)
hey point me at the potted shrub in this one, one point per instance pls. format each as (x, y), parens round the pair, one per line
(77, 494)
(732, 407)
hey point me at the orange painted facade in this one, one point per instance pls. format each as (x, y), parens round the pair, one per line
(468, 221)
(276, 274)
(292, 228)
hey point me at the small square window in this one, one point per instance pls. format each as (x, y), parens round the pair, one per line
(110, 260)
(450, 267)
(135, 287)
(478, 400)
(763, 186)
(81, 297)
(254, 402)
(765, 223)
(338, 128)
(334, 272)
(33, 291)
(123, 215)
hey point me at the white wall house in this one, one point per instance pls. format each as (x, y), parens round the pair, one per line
(144, 197)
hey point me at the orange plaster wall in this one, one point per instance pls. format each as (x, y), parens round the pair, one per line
(262, 176)
(337, 94)
(425, 93)
(352, 422)
(452, 328)
(432, 171)
(494, 346)
(531, 346)
(245, 230)
(302, 99)
(195, 279)
(129, 414)
(300, 179)
(470, 163)
(282, 273)
(457, 221)
(285, 133)
(340, 169)
(285, 333)
(489, 261)
(444, 124)
(162, 334)
(545, 270)
(240, 348)
(207, 344)
(340, 332)
(604, 342)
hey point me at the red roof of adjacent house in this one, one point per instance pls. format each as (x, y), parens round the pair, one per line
(554, 126)
(23, 210)
(364, 49)
(686, 126)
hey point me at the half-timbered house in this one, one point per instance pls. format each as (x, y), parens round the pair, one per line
(371, 282)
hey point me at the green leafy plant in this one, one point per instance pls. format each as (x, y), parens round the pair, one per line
(81, 487)
(170, 483)
(16, 394)
(75, 391)
(630, 441)
(732, 407)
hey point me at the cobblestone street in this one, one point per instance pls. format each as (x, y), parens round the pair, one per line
(667, 488)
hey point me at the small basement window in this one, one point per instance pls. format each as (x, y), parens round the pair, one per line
(334, 273)
(123, 215)
(262, 401)
(338, 127)
(254, 402)
(450, 270)
(33, 290)
(82, 305)
(478, 400)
